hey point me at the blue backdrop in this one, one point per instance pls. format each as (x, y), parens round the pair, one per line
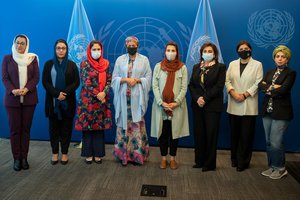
(264, 23)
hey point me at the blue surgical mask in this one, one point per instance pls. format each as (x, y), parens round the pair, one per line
(96, 54)
(207, 56)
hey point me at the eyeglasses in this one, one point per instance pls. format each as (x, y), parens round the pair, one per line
(61, 48)
(20, 43)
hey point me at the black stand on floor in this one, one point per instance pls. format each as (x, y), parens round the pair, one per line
(154, 190)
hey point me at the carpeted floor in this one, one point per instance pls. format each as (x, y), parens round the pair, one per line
(293, 168)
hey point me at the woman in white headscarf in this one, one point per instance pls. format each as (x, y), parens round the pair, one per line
(20, 76)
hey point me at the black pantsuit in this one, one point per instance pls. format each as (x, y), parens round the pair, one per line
(93, 143)
(166, 136)
(206, 131)
(60, 131)
(207, 83)
(242, 136)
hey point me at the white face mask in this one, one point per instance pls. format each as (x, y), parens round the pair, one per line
(171, 55)
(96, 54)
(207, 56)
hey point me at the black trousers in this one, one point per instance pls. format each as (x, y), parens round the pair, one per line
(60, 131)
(206, 131)
(242, 136)
(164, 139)
(93, 143)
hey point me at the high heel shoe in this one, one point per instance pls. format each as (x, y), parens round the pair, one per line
(54, 159)
(54, 162)
(64, 162)
(64, 159)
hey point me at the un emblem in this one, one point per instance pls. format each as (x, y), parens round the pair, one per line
(77, 48)
(271, 27)
(195, 50)
(153, 34)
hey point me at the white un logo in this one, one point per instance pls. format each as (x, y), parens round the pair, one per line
(77, 48)
(153, 34)
(271, 27)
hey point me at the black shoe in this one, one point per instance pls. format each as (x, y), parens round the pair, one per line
(64, 162)
(88, 161)
(240, 169)
(206, 169)
(54, 162)
(25, 164)
(233, 164)
(17, 165)
(197, 166)
(136, 164)
(98, 161)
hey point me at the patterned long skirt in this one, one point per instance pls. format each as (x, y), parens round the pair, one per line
(131, 145)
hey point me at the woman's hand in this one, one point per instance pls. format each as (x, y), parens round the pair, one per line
(16, 92)
(169, 106)
(62, 96)
(237, 96)
(101, 96)
(201, 102)
(131, 82)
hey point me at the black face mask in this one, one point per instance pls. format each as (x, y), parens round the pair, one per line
(244, 54)
(132, 50)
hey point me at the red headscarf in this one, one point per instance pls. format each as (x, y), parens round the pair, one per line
(171, 67)
(100, 65)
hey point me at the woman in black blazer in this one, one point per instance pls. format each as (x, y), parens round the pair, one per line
(206, 87)
(60, 80)
(277, 110)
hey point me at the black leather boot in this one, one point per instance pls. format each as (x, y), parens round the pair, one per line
(17, 165)
(25, 164)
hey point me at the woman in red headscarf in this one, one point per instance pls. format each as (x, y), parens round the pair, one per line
(169, 109)
(93, 111)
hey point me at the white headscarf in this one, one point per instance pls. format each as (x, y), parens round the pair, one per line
(22, 59)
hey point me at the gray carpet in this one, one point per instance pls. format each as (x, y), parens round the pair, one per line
(110, 180)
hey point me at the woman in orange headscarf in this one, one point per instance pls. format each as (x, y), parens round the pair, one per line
(169, 110)
(93, 112)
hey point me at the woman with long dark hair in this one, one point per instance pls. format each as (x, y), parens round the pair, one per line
(60, 80)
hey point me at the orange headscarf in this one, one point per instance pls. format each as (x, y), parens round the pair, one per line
(171, 67)
(100, 65)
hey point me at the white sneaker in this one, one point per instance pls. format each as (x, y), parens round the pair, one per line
(278, 174)
(268, 172)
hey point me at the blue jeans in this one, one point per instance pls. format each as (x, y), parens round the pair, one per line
(274, 130)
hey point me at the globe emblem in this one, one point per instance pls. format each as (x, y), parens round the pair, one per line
(195, 50)
(153, 35)
(271, 27)
(77, 48)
